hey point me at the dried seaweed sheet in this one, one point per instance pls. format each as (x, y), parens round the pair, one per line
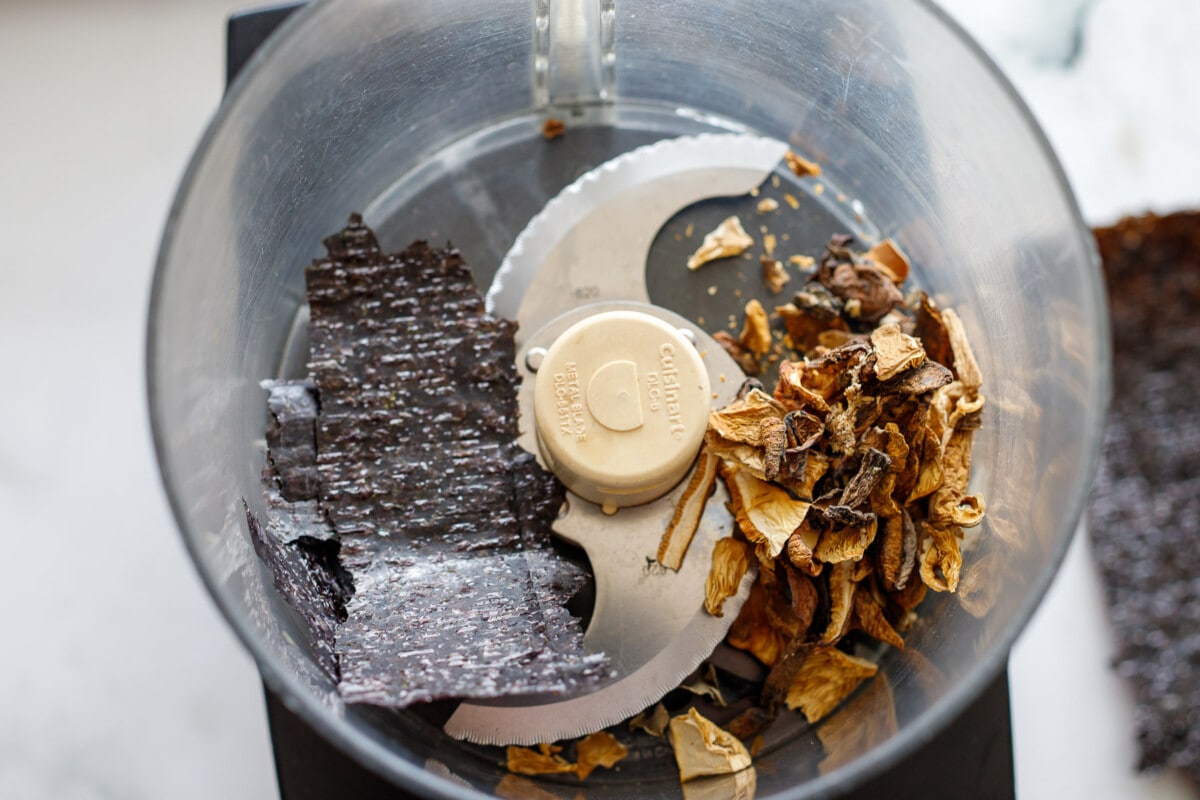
(443, 520)
(1145, 508)
(306, 573)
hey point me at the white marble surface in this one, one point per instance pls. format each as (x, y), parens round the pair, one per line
(119, 678)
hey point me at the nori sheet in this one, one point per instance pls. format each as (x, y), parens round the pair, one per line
(1145, 509)
(443, 520)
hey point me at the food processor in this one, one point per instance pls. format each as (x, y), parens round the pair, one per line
(432, 121)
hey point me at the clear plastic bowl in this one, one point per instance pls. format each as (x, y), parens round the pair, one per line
(428, 116)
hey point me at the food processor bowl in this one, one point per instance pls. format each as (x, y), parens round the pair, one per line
(428, 117)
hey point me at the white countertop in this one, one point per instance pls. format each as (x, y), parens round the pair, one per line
(120, 680)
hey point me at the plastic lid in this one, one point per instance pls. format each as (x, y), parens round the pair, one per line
(621, 403)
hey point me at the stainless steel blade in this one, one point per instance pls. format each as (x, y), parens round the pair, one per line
(589, 243)
(649, 620)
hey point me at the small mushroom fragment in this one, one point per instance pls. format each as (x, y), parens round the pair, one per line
(730, 562)
(728, 239)
(773, 274)
(703, 748)
(801, 166)
(756, 333)
(825, 678)
(766, 205)
(543, 761)
(653, 721)
(686, 519)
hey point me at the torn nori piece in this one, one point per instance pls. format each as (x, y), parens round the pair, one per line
(306, 572)
(1145, 509)
(443, 519)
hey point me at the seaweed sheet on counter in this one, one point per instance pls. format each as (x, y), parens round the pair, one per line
(1145, 510)
(443, 519)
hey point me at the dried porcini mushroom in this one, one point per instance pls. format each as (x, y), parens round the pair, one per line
(895, 352)
(703, 748)
(891, 259)
(773, 274)
(868, 617)
(731, 561)
(766, 514)
(825, 678)
(600, 749)
(766, 205)
(703, 682)
(728, 239)
(543, 761)
(801, 166)
(686, 519)
(653, 721)
(756, 334)
(814, 310)
(749, 433)
(553, 128)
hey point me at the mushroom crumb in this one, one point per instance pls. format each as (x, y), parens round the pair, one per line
(767, 205)
(727, 240)
(801, 166)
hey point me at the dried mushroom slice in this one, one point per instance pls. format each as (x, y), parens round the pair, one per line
(756, 334)
(841, 601)
(814, 311)
(847, 542)
(765, 625)
(793, 394)
(965, 366)
(703, 748)
(888, 256)
(868, 617)
(895, 352)
(728, 239)
(766, 514)
(825, 678)
(773, 274)
(949, 504)
(941, 556)
(749, 432)
(799, 549)
(866, 291)
(731, 561)
(600, 749)
(931, 330)
(543, 761)
(686, 519)
(653, 721)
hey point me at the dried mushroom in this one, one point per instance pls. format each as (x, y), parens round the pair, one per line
(703, 748)
(825, 678)
(728, 239)
(543, 761)
(801, 166)
(686, 519)
(773, 274)
(653, 721)
(746, 360)
(756, 334)
(749, 433)
(895, 351)
(600, 749)
(766, 514)
(891, 259)
(731, 561)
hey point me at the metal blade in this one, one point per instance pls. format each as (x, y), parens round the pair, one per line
(589, 246)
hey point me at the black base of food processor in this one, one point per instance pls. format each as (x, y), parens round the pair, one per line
(971, 757)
